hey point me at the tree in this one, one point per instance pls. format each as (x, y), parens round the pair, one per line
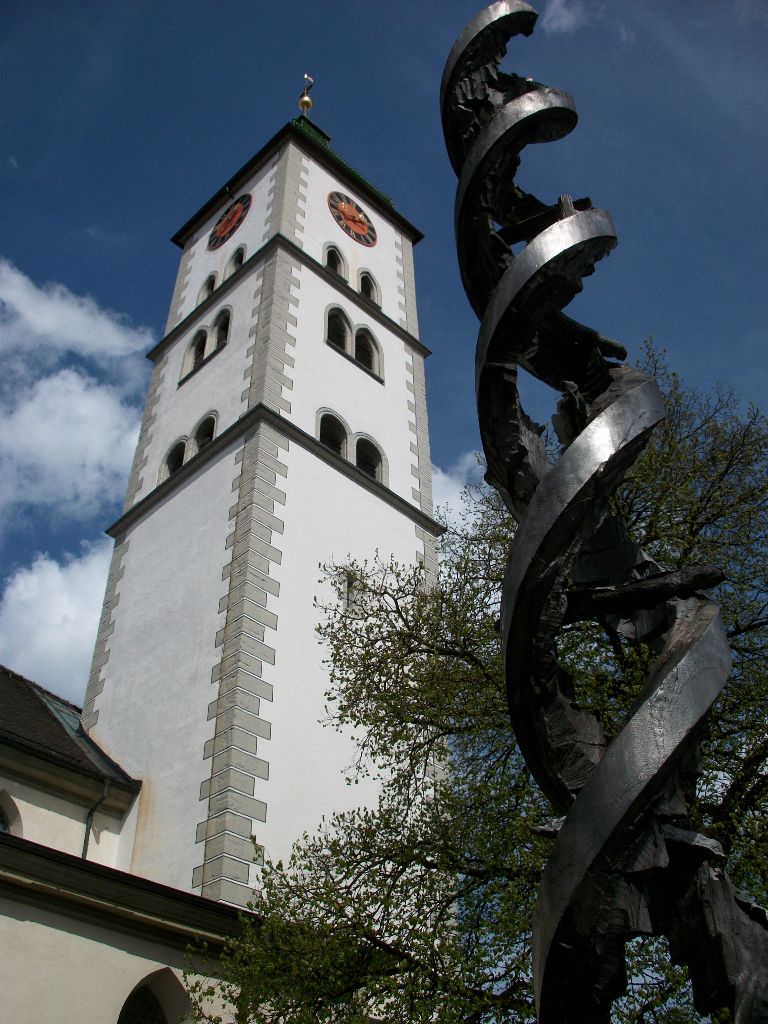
(420, 909)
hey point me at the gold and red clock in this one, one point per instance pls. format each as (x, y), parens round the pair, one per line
(229, 221)
(351, 218)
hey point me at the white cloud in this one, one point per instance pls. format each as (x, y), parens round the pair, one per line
(49, 613)
(564, 16)
(52, 317)
(67, 444)
(71, 372)
(68, 392)
(448, 484)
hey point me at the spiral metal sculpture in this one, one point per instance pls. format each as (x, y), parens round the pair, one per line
(626, 860)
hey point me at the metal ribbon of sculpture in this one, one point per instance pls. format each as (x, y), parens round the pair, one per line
(626, 860)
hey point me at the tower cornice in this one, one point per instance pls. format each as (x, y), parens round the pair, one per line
(262, 413)
(315, 142)
(280, 241)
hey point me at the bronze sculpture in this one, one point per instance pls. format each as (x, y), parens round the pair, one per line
(627, 860)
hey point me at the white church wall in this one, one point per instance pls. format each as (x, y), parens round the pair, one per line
(58, 821)
(59, 968)
(127, 837)
(216, 387)
(308, 762)
(323, 378)
(153, 710)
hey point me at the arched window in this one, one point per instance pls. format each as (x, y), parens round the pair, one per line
(198, 350)
(175, 459)
(368, 288)
(221, 329)
(236, 260)
(141, 1007)
(368, 458)
(208, 286)
(333, 435)
(157, 999)
(334, 262)
(365, 350)
(205, 432)
(195, 355)
(338, 329)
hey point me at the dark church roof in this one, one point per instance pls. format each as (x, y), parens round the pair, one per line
(37, 722)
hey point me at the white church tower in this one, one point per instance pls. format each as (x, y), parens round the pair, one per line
(285, 426)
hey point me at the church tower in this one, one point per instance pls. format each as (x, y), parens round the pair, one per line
(285, 426)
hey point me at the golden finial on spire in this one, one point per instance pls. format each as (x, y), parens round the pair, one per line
(305, 103)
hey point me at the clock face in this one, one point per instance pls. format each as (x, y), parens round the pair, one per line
(229, 222)
(351, 218)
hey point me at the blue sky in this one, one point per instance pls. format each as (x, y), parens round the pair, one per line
(121, 119)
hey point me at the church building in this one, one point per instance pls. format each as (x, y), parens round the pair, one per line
(285, 427)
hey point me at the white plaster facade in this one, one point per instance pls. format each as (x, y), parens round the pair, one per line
(90, 969)
(79, 941)
(43, 814)
(207, 681)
